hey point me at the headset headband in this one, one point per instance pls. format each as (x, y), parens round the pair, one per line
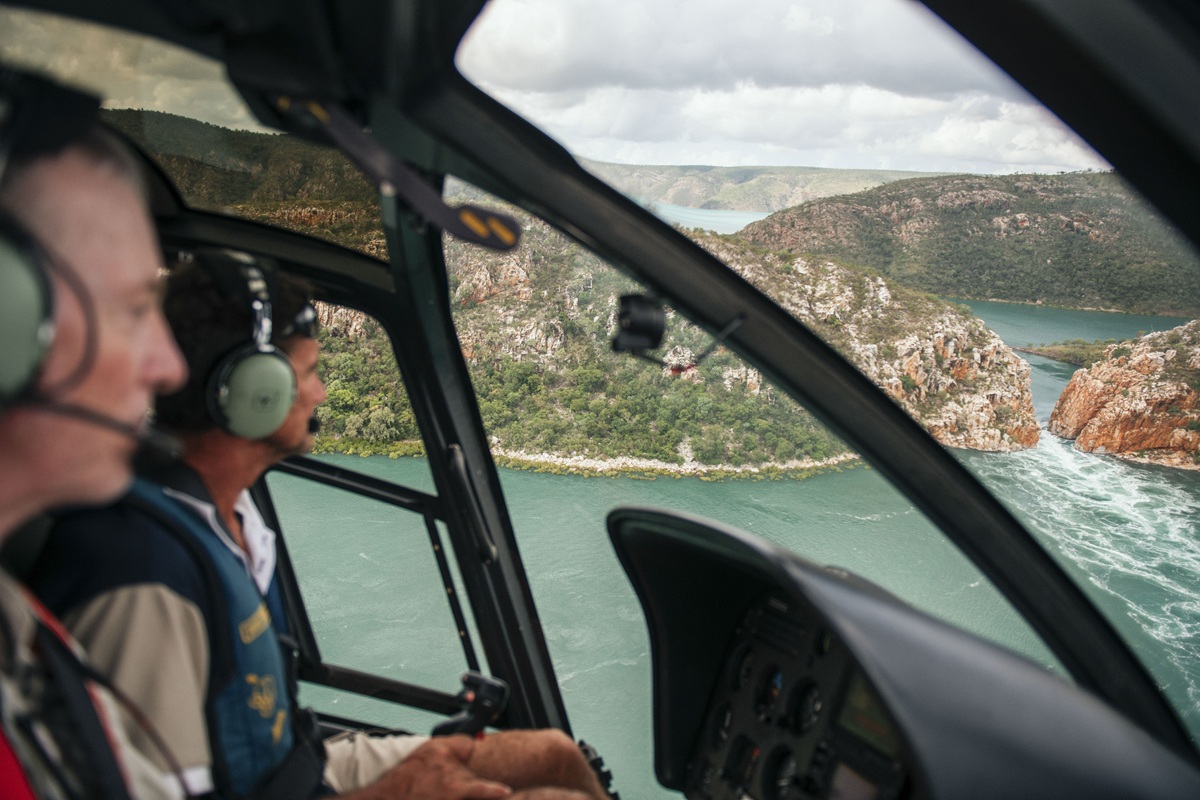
(251, 389)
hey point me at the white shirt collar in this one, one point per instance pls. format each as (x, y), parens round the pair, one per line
(259, 556)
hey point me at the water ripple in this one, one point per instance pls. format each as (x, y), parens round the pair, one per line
(1127, 529)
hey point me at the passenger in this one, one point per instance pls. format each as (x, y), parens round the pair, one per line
(83, 350)
(182, 611)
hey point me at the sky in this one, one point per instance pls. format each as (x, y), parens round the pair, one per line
(880, 84)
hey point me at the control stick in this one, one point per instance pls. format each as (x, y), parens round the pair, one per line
(483, 700)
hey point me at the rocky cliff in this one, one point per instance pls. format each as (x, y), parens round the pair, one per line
(1140, 402)
(946, 368)
(943, 365)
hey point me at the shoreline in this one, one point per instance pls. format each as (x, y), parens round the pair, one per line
(651, 469)
(628, 466)
(621, 466)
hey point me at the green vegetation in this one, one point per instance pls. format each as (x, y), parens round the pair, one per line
(1178, 367)
(632, 410)
(366, 405)
(548, 382)
(215, 167)
(584, 401)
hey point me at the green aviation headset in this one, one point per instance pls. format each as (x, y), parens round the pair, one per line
(37, 117)
(26, 310)
(252, 388)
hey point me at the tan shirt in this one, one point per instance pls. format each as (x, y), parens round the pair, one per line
(153, 643)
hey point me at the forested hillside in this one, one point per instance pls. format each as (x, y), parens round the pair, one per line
(1079, 240)
(220, 167)
(548, 312)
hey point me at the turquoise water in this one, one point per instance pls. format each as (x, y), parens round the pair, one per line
(1126, 532)
(1021, 325)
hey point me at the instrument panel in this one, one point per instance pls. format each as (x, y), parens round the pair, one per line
(771, 675)
(791, 717)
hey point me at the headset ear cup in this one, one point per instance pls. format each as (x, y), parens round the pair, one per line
(26, 311)
(252, 391)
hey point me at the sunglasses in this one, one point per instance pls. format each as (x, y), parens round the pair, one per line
(304, 323)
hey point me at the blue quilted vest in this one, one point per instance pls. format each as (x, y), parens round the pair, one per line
(250, 716)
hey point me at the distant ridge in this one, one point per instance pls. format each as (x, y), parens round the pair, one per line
(1073, 240)
(212, 163)
(1076, 240)
(764, 189)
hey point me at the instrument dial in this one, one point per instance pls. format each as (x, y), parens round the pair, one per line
(806, 706)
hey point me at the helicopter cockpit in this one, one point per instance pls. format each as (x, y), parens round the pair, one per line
(867, 616)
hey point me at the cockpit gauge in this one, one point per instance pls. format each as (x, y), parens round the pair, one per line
(806, 706)
(740, 765)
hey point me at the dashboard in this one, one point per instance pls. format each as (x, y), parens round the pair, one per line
(792, 717)
(778, 679)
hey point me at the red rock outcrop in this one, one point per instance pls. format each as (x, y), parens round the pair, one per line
(1140, 402)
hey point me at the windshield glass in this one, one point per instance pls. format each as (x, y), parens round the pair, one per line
(923, 214)
(180, 108)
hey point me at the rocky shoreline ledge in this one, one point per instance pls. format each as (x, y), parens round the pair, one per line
(625, 466)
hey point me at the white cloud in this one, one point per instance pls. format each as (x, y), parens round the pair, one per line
(845, 83)
(836, 83)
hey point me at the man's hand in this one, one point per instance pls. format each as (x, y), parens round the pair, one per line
(541, 764)
(437, 770)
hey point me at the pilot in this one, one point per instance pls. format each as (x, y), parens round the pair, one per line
(184, 610)
(83, 350)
